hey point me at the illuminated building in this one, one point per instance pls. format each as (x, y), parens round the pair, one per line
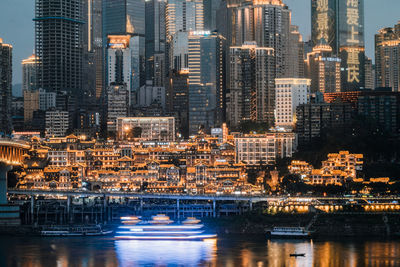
(252, 90)
(323, 69)
(151, 128)
(31, 104)
(117, 105)
(387, 58)
(59, 28)
(312, 118)
(155, 41)
(256, 149)
(369, 74)
(268, 23)
(345, 97)
(127, 17)
(57, 123)
(206, 81)
(5, 87)
(29, 73)
(340, 24)
(289, 94)
(184, 16)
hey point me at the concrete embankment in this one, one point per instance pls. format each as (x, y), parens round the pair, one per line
(325, 225)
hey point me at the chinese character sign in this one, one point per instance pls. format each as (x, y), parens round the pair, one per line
(353, 22)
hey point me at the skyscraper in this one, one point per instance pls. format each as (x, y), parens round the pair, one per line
(268, 23)
(155, 41)
(206, 81)
(387, 58)
(252, 87)
(29, 73)
(127, 17)
(5, 87)
(59, 28)
(323, 68)
(340, 24)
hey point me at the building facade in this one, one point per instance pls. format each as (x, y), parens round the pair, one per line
(151, 128)
(206, 81)
(289, 94)
(57, 123)
(29, 73)
(252, 90)
(117, 105)
(5, 87)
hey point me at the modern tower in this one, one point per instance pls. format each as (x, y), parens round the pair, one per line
(5, 87)
(340, 24)
(206, 81)
(387, 58)
(29, 73)
(155, 41)
(252, 87)
(59, 30)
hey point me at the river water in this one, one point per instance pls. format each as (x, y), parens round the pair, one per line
(229, 251)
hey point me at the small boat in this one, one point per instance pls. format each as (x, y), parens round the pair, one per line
(289, 232)
(298, 255)
(131, 220)
(191, 220)
(162, 228)
(95, 230)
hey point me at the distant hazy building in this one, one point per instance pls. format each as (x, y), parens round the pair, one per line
(252, 87)
(5, 87)
(387, 58)
(295, 68)
(29, 73)
(59, 27)
(323, 68)
(289, 94)
(151, 95)
(151, 128)
(156, 41)
(206, 81)
(117, 105)
(57, 123)
(179, 51)
(369, 74)
(178, 99)
(31, 104)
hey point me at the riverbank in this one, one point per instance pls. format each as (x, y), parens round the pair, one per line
(324, 225)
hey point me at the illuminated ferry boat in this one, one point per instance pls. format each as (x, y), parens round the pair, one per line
(160, 227)
(289, 232)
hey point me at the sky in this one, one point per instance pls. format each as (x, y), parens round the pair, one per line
(17, 28)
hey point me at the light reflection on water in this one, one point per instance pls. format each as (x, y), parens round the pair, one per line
(187, 253)
(228, 251)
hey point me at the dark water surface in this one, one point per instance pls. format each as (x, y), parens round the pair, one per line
(226, 251)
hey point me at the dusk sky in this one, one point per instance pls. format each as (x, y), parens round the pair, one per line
(16, 25)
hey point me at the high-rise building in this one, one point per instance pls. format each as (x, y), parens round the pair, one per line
(387, 58)
(178, 99)
(31, 104)
(369, 74)
(59, 30)
(57, 123)
(290, 93)
(179, 51)
(210, 14)
(151, 95)
(29, 73)
(295, 54)
(340, 24)
(5, 87)
(127, 17)
(155, 41)
(184, 15)
(268, 23)
(117, 105)
(323, 69)
(119, 62)
(252, 87)
(206, 81)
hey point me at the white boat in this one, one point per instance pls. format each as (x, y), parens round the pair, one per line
(74, 231)
(289, 232)
(162, 228)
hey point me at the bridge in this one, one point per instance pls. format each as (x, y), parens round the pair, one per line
(11, 154)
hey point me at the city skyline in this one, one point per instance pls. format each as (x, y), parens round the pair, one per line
(23, 39)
